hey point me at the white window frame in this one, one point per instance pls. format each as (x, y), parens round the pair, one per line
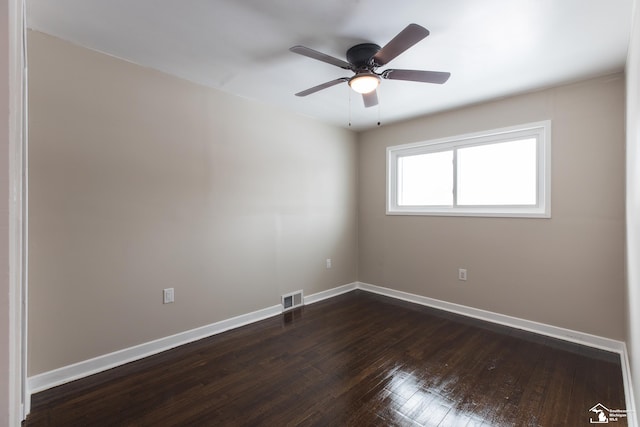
(541, 131)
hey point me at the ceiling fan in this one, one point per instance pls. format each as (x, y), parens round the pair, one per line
(363, 59)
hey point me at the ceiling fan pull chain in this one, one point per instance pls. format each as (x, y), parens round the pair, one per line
(349, 90)
(379, 110)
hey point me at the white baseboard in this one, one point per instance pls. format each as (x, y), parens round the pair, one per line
(632, 416)
(513, 322)
(330, 293)
(85, 368)
(526, 325)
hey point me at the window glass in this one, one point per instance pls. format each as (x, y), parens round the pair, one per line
(426, 179)
(498, 174)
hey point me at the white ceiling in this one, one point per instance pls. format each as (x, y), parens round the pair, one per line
(492, 48)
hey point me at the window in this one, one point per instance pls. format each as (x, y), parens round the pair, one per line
(504, 172)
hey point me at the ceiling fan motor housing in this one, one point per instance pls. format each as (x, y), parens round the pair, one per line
(360, 55)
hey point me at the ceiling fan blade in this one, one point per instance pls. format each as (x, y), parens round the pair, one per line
(322, 86)
(314, 54)
(370, 99)
(438, 77)
(406, 38)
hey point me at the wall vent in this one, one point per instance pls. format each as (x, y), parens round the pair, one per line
(292, 300)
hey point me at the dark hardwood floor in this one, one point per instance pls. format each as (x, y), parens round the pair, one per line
(357, 359)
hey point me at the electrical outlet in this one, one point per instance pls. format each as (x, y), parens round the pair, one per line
(328, 263)
(462, 274)
(167, 296)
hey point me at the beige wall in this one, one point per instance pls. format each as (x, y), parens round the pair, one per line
(567, 271)
(140, 181)
(633, 201)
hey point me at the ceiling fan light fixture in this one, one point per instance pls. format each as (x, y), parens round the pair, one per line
(365, 82)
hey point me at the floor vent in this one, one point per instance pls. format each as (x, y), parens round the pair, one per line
(292, 300)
